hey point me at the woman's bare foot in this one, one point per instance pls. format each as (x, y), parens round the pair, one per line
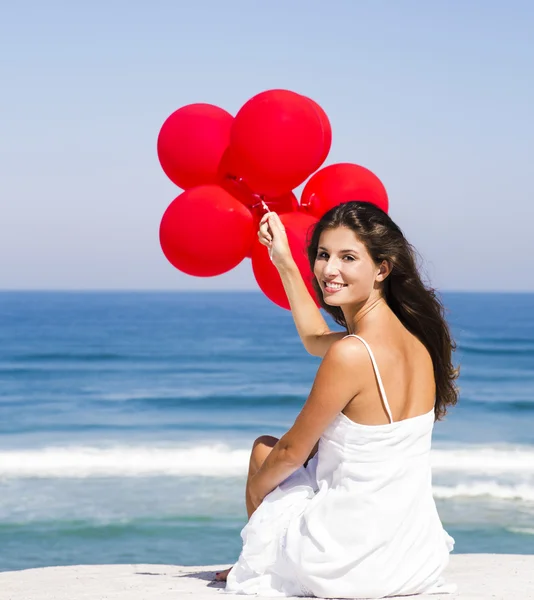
(222, 575)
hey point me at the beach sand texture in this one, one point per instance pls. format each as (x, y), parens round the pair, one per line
(478, 577)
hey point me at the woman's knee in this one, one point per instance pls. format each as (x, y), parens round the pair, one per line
(268, 441)
(260, 451)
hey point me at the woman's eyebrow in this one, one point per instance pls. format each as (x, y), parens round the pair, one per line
(353, 250)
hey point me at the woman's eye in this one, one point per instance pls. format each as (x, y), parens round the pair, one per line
(349, 258)
(322, 255)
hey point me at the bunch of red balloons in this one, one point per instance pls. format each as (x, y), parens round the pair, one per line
(232, 168)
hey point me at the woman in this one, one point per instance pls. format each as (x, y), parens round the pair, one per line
(354, 518)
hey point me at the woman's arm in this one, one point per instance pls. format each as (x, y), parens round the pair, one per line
(334, 387)
(311, 327)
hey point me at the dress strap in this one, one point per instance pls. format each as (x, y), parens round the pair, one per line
(377, 373)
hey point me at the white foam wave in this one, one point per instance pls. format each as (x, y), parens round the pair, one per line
(491, 489)
(522, 530)
(220, 460)
(123, 461)
(484, 461)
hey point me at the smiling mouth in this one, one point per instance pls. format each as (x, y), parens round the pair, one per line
(332, 287)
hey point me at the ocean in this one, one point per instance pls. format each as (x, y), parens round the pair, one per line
(126, 422)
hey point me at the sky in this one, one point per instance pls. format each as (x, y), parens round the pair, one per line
(436, 98)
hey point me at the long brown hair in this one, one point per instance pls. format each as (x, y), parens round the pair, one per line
(417, 306)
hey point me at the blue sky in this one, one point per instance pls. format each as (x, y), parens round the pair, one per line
(435, 97)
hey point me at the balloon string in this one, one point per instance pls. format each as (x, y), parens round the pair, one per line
(306, 203)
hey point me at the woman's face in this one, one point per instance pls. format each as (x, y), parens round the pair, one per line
(344, 269)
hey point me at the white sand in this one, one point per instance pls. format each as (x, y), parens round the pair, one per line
(478, 576)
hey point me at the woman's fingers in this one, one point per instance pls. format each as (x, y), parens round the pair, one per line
(264, 239)
(275, 221)
(265, 236)
(270, 227)
(265, 218)
(265, 232)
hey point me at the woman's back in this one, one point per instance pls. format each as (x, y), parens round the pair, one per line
(405, 368)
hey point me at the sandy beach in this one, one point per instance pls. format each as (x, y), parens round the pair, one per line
(478, 577)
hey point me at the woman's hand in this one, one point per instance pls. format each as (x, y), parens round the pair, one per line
(272, 234)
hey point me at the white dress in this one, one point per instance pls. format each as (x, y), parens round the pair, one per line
(359, 521)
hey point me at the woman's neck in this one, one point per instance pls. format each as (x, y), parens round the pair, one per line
(363, 314)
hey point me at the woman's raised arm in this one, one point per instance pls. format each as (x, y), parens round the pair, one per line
(311, 326)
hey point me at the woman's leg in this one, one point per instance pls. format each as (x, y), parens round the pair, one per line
(260, 451)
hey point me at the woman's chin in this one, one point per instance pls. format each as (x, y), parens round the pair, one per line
(331, 300)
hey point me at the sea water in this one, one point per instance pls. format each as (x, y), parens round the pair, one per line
(126, 422)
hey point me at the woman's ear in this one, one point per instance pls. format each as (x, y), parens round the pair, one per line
(383, 271)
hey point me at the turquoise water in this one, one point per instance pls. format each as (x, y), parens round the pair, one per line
(126, 421)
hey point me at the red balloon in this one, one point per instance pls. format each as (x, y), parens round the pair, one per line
(298, 229)
(205, 231)
(277, 139)
(327, 129)
(191, 143)
(339, 183)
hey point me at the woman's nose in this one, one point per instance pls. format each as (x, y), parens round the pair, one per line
(331, 268)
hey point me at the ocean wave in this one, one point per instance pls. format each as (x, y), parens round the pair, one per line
(490, 489)
(521, 530)
(484, 461)
(478, 338)
(124, 461)
(72, 357)
(93, 526)
(253, 397)
(510, 405)
(504, 347)
(220, 460)
(180, 359)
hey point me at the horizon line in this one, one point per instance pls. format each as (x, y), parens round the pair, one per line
(212, 290)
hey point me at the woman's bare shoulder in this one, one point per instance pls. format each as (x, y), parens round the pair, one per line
(350, 349)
